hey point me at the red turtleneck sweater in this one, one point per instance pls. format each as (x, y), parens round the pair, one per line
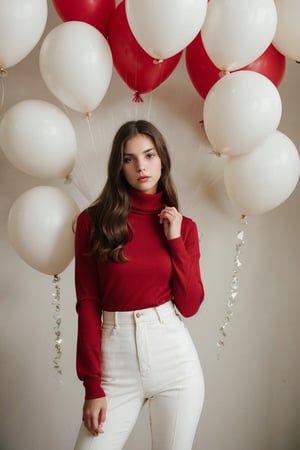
(157, 270)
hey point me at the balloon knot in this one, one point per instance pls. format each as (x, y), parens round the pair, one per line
(222, 73)
(88, 114)
(68, 179)
(216, 153)
(157, 61)
(3, 72)
(137, 98)
(201, 122)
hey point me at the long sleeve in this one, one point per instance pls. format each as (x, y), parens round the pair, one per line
(88, 307)
(186, 278)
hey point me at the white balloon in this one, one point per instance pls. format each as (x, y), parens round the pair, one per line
(40, 228)
(22, 23)
(39, 139)
(164, 28)
(240, 110)
(287, 35)
(76, 65)
(236, 32)
(263, 179)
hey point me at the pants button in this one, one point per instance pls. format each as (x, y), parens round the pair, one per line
(138, 315)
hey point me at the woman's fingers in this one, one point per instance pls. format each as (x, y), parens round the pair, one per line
(94, 414)
(170, 213)
(171, 220)
(102, 416)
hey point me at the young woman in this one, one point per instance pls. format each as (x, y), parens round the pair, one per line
(136, 273)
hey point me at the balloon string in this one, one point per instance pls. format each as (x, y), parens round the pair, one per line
(88, 120)
(82, 188)
(81, 176)
(3, 74)
(81, 181)
(232, 299)
(57, 324)
(70, 179)
(82, 185)
(149, 106)
(214, 180)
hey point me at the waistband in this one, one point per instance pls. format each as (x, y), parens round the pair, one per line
(155, 313)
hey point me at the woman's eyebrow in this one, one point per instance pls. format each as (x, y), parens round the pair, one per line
(144, 151)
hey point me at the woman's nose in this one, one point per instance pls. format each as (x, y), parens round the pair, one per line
(140, 166)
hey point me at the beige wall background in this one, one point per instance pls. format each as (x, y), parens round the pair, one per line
(252, 391)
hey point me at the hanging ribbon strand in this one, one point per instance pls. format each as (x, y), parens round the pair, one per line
(233, 295)
(3, 74)
(57, 324)
(85, 160)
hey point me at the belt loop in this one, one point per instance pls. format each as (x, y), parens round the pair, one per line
(116, 323)
(159, 315)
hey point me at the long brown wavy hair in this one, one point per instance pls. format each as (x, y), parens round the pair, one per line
(109, 212)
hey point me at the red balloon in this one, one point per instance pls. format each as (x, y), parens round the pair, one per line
(138, 70)
(93, 12)
(204, 74)
(201, 70)
(271, 64)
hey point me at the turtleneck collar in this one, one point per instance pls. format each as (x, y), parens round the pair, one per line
(146, 202)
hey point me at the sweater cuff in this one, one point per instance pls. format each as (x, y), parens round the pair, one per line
(177, 245)
(93, 390)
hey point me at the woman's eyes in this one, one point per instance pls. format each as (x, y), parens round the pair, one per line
(129, 159)
(150, 155)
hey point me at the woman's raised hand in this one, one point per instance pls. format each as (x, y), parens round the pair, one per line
(171, 220)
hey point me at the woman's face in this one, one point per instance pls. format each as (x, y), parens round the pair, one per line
(141, 164)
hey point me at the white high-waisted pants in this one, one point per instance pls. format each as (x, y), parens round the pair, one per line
(148, 356)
